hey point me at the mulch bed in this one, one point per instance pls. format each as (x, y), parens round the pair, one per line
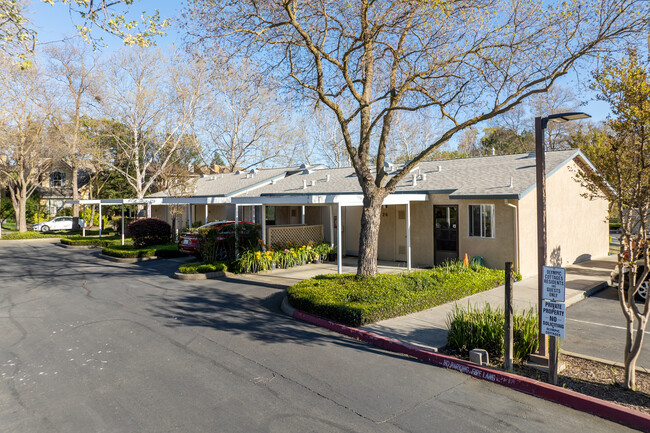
(592, 378)
(598, 380)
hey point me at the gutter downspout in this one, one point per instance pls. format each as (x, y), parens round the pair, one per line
(516, 234)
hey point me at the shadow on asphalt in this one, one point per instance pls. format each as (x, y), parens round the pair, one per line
(222, 307)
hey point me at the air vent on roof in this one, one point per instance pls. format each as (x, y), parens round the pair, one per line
(253, 171)
(304, 184)
(238, 172)
(313, 183)
(512, 184)
(327, 178)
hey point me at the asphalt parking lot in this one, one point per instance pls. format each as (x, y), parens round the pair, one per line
(596, 327)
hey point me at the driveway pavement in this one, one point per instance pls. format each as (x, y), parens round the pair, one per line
(88, 345)
(596, 327)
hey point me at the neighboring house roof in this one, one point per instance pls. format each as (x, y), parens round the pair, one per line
(233, 184)
(477, 177)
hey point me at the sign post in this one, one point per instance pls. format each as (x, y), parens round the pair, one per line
(553, 314)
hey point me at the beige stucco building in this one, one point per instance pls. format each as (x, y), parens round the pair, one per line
(484, 206)
(442, 210)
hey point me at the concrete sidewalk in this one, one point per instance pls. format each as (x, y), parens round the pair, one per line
(428, 328)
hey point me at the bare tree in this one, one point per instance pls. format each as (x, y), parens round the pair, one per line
(556, 100)
(73, 81)
(327, 138)
(469, 60)
(25, 154)
(247, 122)
(154, 99)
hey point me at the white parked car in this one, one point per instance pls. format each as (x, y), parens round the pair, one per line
(58, 223)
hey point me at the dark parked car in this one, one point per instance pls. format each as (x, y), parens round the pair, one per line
(190, 241)
(642, 293)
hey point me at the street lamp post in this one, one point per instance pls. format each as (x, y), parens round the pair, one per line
(542, 356)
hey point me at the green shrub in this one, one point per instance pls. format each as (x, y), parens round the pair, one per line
(202, 267)
(99, 242)
(356, 301)
(474, 328)
(218, 244)
(146, 232)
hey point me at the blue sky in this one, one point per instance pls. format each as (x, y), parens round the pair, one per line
(54, 23)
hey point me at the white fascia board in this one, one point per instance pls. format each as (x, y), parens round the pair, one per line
(83, 201)
(324, 199)
(142, 200)
(193, 200)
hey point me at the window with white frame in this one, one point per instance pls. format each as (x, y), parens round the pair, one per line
(57, 178)
(481, 220)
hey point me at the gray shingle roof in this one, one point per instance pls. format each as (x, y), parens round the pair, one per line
(231, 184)
(478, 177)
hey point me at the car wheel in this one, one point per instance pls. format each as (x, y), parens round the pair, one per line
(45, 229)
(642, 293)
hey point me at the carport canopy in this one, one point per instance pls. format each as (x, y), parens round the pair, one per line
(331, 200)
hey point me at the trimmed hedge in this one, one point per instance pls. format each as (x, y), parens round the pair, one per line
(130, 251)
(356, 301)
(202, 267)
(98, 242)
(147, 232)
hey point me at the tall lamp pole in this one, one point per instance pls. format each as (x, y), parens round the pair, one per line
(542, 356)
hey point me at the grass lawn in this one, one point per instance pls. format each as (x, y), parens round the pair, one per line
(27, 235)
(129, 251)
(9, 226)
(357, 301)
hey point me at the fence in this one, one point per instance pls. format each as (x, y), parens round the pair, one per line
(296, 234)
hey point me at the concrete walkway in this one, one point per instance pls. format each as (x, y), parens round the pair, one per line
(428, 328)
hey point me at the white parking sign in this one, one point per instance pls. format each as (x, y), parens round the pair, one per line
(553, 283)
(553, 314)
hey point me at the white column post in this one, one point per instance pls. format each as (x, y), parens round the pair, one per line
(205, 220)
(408, 235)
(83, 221)
(339, 240)
(189, 215)
(302, 216)
(331, 208)
(236, 231)
(264, 224)
(100, 219)
(122, 223)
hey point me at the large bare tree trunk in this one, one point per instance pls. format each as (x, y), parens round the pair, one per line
(19, 203)
(369, 238)
(75, 189)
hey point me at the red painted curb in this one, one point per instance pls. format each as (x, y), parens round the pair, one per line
(566, 397)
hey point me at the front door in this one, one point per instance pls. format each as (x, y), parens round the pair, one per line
(445, 233)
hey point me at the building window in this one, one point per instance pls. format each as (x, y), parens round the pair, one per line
(481, 220)
(57, 178)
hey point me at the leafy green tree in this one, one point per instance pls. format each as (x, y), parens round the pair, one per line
(621, 152)
(506, 141)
